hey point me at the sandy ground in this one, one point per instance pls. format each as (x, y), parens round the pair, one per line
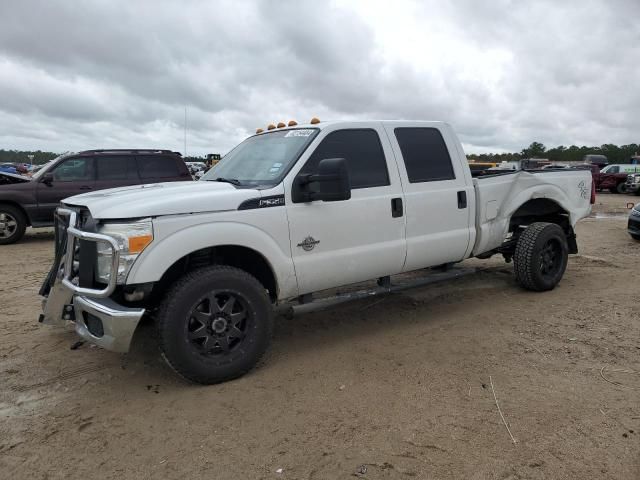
(397, 388)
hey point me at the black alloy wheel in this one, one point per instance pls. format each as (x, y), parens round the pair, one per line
(214, 324)
(551, 260)
(218, 323)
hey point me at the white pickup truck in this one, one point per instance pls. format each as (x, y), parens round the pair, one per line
(289, 212)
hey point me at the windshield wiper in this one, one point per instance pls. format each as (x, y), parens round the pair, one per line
(232, 181)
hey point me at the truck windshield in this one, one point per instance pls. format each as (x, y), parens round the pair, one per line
(262, 160)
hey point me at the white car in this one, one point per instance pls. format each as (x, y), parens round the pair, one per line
(290, 212)
(621, 168)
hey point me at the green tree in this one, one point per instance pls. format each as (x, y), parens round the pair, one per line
(535, 150)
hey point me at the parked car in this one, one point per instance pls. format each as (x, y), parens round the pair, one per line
(614, 182)
(625, 168)
(289, 212)
(8, 168)
(633, 226)
(31, 201)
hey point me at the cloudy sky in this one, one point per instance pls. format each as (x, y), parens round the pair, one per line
(110, 73)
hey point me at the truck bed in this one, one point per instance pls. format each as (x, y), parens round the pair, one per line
(499, 196)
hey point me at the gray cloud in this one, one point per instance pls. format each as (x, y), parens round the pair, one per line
(77, 75)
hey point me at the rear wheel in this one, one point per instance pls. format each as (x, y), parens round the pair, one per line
(215, 324)
(635, 236)
(12, 224)
(541, 255)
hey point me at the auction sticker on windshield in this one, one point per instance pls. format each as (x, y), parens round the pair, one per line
(299, 133)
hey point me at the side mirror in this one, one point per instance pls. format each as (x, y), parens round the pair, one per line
(331, 183)
(47, 179)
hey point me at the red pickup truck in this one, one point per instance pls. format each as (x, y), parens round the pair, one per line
(614, 182)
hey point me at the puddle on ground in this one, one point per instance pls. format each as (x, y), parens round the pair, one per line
(600, 216)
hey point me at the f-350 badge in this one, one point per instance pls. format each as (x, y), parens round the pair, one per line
(308, 243)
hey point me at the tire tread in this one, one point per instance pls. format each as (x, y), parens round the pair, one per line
(522, 258)
(172, 296)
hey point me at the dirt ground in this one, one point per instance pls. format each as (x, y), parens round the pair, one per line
(398, 388)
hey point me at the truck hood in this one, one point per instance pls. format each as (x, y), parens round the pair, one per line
(158, 199)
(7, 178)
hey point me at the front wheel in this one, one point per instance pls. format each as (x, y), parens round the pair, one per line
(215, 324)
(541, 256)
(621, 188)
(12, 224)
(635, 236)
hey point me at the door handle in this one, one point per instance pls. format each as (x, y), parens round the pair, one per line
(462, 199)
(85, 187)
(396, 207)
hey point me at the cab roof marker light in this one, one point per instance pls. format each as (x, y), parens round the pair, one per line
(281, 125)
(314, 120)
(260, 130)
(271, 126)
(292, 123)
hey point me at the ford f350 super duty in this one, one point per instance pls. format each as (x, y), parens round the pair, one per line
(289, 212)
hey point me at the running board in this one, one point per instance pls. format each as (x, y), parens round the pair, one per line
(328, 302)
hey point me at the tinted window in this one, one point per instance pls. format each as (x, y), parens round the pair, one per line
(425, 154)
(116, 168)
(74, 169)
(363, 152)
(158, 166)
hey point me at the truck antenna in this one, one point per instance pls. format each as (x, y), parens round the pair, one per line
(185, 131)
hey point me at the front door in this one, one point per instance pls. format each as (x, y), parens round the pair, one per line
(344, 242)
(70, 177)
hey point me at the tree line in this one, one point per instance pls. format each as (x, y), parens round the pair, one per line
(22, 156)
(614, 153)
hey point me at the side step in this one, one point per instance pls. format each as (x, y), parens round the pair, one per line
(384, 287)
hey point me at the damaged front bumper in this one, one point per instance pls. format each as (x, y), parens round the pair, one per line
(98, 318)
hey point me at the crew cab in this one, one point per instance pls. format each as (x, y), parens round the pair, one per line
(31, 201)
(287, 213)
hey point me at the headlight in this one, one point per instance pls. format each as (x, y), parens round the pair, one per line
(132, 237)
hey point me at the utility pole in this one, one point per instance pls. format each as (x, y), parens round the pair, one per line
(185, 131)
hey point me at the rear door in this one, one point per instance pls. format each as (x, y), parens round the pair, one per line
(116, 171)
(162, 168)
(343, 242)
(438, 194)
(71, 176)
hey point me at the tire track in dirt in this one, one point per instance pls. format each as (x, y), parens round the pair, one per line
(61, 377)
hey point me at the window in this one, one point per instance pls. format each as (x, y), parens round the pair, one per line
(116, 168)
(157, 166)
(363, 152)
(74, 170)
(263, 159)
(425, 154)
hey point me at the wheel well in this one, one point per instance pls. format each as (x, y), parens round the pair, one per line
(19, 207)
(243, 258)
(543, 210)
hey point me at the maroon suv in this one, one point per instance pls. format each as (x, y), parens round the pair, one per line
(31, 201)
